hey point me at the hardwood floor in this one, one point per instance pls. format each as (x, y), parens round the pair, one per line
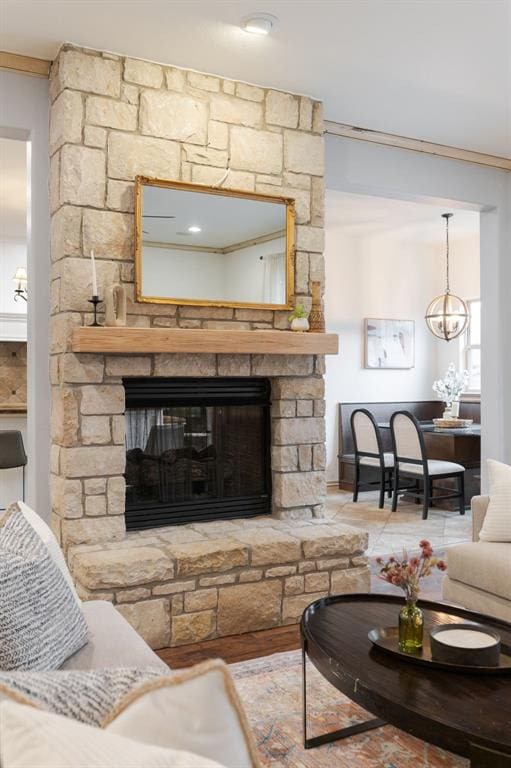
(234, 648)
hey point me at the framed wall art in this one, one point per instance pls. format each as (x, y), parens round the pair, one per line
(389, 343)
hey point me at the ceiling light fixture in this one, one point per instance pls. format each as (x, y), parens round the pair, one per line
(447, 315)
(194, 229)
(259, 23)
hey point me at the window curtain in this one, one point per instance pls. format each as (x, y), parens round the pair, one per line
(274, 278)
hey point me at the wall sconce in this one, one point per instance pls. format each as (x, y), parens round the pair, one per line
(20, 279)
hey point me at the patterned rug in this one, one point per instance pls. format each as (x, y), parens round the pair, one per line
(271, 690)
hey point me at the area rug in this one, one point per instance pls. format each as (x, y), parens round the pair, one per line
(271, 690)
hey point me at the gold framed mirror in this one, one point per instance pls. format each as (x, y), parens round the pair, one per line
(206, 246)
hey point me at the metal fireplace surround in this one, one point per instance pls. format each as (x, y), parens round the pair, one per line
(197, 449)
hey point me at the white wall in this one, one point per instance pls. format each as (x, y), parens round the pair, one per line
(363, 168)
(246, 270)
(182, 274)
(236, 276)
(24, 115)
(386, 275)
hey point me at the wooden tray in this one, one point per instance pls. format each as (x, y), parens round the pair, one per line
(452, 423)
(386, 639)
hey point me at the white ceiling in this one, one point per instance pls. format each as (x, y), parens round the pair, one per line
(13, 189)
(360, 215)
(438, 70)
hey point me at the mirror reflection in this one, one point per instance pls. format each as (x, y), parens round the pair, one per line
(203, 246)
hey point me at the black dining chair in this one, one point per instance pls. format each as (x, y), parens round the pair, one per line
(369, 453)
(12, 453)
(411, 462)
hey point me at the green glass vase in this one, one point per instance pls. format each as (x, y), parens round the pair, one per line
(411, 627)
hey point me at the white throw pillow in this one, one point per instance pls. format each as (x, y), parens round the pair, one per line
(29, 737)
(48, 538)
(196, 709)
(497, 521)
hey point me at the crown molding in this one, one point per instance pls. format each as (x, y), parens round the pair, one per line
(416, 145)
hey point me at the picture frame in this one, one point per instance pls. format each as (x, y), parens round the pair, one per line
(389, 344)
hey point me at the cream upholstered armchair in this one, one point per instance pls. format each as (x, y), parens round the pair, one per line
(479, 573)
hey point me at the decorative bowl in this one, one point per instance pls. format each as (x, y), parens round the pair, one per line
(469, 644)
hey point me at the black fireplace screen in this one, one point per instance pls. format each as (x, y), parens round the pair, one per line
(196, 449)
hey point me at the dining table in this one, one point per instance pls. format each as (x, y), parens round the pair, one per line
(473, 430)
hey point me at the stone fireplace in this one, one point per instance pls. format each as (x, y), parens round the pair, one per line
(111, 119)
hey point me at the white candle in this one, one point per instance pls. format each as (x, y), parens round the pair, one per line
(94, 277)
(465, 638)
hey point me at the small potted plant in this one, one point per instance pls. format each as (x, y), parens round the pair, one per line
(450, 388)
(406, 574)
(299, 319)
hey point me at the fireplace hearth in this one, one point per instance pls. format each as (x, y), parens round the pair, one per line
(197, 449)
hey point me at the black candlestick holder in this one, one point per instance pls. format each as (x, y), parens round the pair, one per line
(95, 301)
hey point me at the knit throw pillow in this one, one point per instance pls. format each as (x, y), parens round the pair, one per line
(41, 624)
(87, 696)
(497, 521)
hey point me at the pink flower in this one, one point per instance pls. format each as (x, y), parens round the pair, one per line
(407, 572)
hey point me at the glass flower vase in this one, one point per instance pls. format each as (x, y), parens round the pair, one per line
(411, 627)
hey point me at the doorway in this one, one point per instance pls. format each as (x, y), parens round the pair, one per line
(13, 311)
(385, 261)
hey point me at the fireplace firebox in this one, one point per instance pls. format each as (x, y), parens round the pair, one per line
(197, 449)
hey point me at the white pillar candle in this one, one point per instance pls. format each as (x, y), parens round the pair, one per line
(94, 276)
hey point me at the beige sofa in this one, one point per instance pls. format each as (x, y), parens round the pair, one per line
(479, 573)
(112, 642)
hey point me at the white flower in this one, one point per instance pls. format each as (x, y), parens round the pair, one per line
(452, 385)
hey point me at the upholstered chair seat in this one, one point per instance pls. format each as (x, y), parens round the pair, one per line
(410, 460)
(435, 467)
(372, 461)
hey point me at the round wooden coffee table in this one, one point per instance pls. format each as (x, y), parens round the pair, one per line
(465, 713)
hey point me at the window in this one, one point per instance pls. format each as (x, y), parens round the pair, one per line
(471, 349)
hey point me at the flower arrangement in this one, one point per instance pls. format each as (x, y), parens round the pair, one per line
(407, 572)
(450, 388)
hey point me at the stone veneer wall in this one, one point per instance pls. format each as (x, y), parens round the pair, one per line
(13, 373)
(111, 119)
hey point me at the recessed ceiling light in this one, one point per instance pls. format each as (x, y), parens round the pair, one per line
(259, 23)
(194, 229)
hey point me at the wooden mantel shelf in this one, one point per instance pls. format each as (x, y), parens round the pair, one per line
(150, 340)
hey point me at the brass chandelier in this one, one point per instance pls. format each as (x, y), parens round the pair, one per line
(447, 315)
